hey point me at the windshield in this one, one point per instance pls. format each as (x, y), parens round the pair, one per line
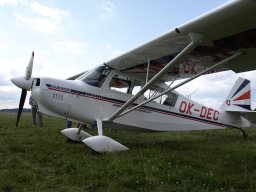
(96, 77)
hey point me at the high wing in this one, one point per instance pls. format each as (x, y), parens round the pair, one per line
(227, 29)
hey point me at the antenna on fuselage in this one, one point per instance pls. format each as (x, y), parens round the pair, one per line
(189, 96)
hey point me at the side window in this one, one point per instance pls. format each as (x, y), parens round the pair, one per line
(36, 82)
(171, 99)
(136, 89)
(120, 85)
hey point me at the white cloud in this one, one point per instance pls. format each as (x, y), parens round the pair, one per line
(114, 51)
(117, 51)
(13, 67)
(103, 16)
(109, 6)
(3, 45)
(41, 24)
(46, 19)
(10, 96)
(109, 47)
(53, 13)
(69, 46)
(213, 88)
(10, 2)
(107, 10)
(4, 81)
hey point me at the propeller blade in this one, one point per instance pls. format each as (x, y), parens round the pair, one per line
(29, 67)
(21, 104)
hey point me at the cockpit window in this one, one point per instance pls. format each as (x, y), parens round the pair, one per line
(121, 85)
(96, 77)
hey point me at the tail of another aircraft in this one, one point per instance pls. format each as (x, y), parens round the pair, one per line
(239, 98)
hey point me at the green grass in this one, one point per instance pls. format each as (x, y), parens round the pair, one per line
(41, 159)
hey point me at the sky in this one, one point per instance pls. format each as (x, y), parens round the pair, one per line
(69, 37)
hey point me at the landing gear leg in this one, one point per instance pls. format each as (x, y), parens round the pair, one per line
(75, 134)
(79, 130)
(245, 135)
(99, 126)
(101, 143)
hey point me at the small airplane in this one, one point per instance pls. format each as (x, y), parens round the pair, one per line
(131, 93)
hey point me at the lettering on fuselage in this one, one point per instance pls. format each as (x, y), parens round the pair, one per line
(204, 112)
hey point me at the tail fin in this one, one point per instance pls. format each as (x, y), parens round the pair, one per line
(239, 98)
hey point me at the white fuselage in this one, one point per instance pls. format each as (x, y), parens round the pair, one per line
(76, 100)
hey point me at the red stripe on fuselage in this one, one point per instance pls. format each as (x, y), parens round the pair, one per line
(152, 110)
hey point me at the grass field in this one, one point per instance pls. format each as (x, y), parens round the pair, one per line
(41, 159)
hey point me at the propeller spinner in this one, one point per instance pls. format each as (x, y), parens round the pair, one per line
(25, 83)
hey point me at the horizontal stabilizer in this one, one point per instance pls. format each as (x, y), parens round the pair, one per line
(251, 116)
(102, 144)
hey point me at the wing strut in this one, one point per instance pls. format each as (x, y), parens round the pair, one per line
(147, 71)
(196, 39)
(184, 82)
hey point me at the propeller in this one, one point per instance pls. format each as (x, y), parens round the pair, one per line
(25, 83)
(21, 105)
(29, 67)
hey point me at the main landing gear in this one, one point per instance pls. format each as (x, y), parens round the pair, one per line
(245, 135)
(99, 143)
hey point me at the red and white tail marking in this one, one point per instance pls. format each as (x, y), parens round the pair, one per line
(239, 98)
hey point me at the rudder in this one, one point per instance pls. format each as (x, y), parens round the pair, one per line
(239, 98)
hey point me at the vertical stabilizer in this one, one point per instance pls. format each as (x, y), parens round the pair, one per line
(239, 98)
